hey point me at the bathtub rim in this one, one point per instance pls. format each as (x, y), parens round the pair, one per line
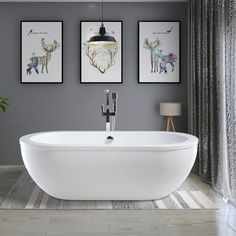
(189, 143)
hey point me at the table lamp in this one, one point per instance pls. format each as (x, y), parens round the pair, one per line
(170, 109)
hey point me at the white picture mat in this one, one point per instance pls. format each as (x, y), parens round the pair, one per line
(89, 74)
(32, 44)
(168, 43)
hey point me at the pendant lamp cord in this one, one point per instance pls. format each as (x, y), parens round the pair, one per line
(102, 13)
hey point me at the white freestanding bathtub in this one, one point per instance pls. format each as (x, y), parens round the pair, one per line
(78, 165)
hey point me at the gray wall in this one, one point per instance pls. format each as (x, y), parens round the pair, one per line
(75, 106)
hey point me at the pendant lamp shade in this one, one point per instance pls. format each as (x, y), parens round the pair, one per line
(102, 37)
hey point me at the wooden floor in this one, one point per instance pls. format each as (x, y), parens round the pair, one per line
(116, 222)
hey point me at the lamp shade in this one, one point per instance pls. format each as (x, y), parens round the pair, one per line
(170, 109)
(102, 37)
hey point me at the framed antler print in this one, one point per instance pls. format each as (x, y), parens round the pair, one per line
(41, 52)
(101, 62)
(159, 52)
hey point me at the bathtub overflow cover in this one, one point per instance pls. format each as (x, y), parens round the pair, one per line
(109, 139)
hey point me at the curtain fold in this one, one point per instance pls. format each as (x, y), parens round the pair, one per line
(214, 92)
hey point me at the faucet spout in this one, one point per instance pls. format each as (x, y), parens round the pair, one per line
(107, 98)
(110, 115)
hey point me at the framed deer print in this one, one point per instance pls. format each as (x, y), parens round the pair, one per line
(41, 52)
(101, 63)
(159, 52)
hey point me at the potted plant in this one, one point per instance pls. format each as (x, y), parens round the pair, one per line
(3, 103)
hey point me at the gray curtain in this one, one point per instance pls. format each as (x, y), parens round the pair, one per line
(213, 86)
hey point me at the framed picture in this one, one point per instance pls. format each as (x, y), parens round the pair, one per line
(159, 52)
(41, 52)
(101, 63)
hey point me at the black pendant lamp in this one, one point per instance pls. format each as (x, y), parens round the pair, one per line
(102, 37)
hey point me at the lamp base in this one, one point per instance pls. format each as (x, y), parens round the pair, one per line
(170, 124)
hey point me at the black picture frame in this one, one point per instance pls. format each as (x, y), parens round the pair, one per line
(121, 49)
(179, 45)
(21, 53)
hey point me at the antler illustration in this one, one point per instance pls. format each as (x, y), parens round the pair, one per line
(92, 53)
(152, 44)
(49, 47)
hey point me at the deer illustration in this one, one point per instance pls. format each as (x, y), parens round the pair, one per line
(171, 58)
(42, 60)
(34, 62)
(153, 55)
(158, 60)
(48, 48)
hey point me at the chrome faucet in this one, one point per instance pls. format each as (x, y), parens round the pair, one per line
(110, 115)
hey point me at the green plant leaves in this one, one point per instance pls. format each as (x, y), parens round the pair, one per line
(3, 103)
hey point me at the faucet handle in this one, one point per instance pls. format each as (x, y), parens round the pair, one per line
(114, 98)
(103, 111)
(114, 95)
